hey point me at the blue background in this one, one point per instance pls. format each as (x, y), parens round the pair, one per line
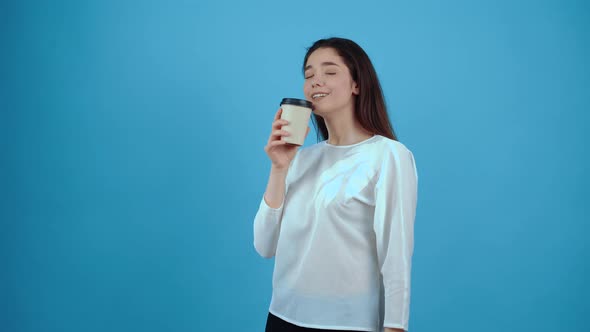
(133, 164)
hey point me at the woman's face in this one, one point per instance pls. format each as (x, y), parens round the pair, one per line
(328, 84)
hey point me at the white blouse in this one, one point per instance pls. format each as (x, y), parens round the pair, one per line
(343, 237)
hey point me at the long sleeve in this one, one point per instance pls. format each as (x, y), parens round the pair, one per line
(267, 224)
(395, 210)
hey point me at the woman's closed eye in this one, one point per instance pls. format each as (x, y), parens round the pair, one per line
(308, 76)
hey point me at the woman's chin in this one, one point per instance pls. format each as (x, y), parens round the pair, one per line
(316, 111)
(319, 110)
(322, 111)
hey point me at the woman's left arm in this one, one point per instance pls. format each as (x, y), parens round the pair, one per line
(396, 193)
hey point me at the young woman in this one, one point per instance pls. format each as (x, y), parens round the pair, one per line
(338, 216)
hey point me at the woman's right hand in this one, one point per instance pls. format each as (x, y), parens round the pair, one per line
(280, 152)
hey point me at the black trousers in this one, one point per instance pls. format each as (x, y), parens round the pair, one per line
(275, 324)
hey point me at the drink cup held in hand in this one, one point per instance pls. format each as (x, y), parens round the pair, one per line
(297, 112)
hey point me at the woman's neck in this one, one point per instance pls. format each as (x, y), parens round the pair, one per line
(344, 129)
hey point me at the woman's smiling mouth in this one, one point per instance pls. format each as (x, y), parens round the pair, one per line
(319, 95)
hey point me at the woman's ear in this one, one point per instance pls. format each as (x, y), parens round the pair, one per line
(355, 88)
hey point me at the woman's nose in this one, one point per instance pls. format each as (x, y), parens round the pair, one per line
(316, 82)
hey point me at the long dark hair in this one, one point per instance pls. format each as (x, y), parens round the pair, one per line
(369, 109)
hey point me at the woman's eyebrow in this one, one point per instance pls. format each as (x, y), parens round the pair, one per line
(327, 63)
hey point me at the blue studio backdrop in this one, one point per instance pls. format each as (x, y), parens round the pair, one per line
(132, 157)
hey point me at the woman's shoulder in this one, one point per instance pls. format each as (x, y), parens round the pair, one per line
(389, 152)
(396, 155)
(390, 146)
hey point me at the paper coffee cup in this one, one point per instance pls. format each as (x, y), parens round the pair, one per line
(297, 112)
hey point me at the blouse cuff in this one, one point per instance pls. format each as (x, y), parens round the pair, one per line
(264, 208)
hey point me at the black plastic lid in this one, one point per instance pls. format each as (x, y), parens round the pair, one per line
(296, 102)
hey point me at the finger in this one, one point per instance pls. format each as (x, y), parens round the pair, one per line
(278, 114)
(279, 123)
(280, 132)
(277, 143)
